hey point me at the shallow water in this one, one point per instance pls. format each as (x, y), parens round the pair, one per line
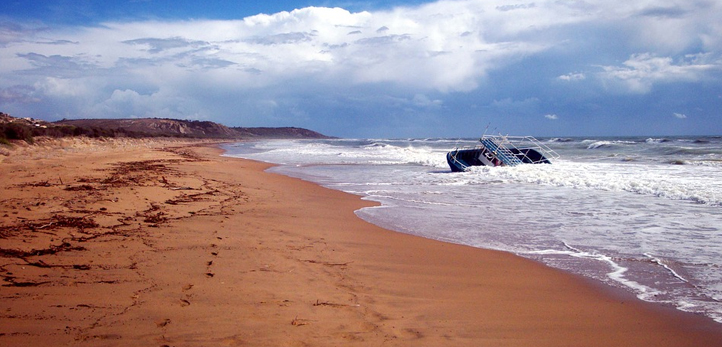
(636, 213)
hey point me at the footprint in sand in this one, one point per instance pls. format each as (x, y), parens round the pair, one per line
(162, 323)
(209, 263)
(184, 302)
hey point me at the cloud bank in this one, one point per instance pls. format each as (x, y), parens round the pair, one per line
(417, 70)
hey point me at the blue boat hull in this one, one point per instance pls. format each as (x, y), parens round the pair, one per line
(461, 159)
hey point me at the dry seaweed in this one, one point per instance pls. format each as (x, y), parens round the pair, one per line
(60, 221)
(16, 253)
(79, 188)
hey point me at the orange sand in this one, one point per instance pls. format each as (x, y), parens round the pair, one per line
(143, 244)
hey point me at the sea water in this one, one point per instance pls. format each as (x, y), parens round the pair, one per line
(643, 214)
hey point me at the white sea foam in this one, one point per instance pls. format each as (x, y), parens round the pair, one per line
(601, 144)
(661, 263)
(616, 273)
(656, 140)
(699, 184)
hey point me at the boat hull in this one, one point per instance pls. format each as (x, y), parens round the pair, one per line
(460, 160)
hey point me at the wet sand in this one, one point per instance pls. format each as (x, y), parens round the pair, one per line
(147, 243)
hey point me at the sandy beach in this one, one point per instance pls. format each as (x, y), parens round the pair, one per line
(167, 243)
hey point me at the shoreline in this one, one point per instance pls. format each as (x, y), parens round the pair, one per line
(183, 246)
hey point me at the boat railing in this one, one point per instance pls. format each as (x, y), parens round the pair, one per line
(514, 150)
(501, 151)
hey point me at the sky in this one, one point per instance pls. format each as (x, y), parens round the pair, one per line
(372, 69)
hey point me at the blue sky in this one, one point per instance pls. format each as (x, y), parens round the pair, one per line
(372, 68)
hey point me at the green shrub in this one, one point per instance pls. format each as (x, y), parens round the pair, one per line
(13, 131)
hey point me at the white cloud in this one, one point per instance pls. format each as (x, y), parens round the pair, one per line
(641, 71)
(551, 117)
(575, 76)
(444, 46)
(680, 115)
(671, 26)
(447, 46)
(509, 105)
(422, 100)
(22, 94)
(63, 88)
(162, 104)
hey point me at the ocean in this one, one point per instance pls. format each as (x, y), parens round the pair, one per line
(638, 213)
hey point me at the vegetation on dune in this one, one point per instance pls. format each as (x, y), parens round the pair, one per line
(26, 129)
(26, 132)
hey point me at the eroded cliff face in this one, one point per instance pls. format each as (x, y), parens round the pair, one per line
(193, 128)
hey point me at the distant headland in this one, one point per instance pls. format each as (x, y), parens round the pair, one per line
(12, 128)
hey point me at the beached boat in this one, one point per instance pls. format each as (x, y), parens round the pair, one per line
(495, 150)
